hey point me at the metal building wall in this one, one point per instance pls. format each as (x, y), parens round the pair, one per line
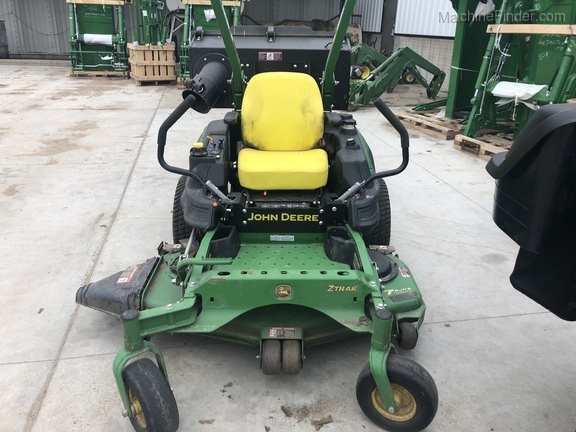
(297, 10)
(38, 27)
(370, 12)
(426, 18)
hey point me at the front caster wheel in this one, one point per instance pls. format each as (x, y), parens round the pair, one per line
(154, 408)
(414, 391)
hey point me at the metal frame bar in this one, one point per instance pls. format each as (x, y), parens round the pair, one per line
(328, 78)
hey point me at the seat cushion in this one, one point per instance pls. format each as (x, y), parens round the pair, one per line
(282, 111)
(273, 170)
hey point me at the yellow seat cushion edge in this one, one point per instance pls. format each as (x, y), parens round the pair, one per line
(269, 170)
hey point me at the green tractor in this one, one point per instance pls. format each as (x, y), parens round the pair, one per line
(281, 241)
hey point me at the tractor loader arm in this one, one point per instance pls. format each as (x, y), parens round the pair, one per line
(387, 74)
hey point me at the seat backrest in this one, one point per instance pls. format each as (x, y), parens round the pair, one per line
(282, 111)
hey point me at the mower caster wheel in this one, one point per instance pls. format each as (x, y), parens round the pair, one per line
(291, 356)
(152, 402)
(408, 336)
(414, 391)
(271, 357)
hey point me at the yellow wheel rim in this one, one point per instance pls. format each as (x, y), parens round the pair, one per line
(365, 72)
(407, 406)
(137, 409)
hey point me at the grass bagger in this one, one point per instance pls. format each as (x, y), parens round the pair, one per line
(281, 242)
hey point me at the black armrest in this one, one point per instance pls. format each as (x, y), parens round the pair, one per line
(232, 117)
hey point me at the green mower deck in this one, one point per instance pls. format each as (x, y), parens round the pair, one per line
(274, 285)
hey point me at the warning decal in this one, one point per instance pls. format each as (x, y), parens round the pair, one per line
(269, 56)
(282, 332)
(127, 275)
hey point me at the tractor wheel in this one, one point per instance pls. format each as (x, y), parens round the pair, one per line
(380, 235)
(271, 357)
(180, 230)
(414, 391)
(154, 408)
(408, 77)
(291, 356)
(408, 336)
(365, 71)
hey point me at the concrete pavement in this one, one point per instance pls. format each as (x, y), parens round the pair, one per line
(82, 196)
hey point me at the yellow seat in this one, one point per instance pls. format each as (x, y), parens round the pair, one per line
(282, 124)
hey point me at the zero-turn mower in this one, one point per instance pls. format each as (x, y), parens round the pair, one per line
(281, 241)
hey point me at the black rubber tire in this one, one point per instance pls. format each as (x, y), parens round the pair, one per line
(408, 335)
(408, 78)
(271, 357)
(380, 234)
(151, 398)
(408, 378)
(291, 356)
(180, 230)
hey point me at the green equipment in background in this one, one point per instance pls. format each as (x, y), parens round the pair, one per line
(198, 17)
(150, 23)
(97, 36)
(372, 73)
(529, 62)
(470, 43)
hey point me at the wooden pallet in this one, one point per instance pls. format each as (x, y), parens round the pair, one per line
(154, 63)
(484, 146)
(98, 74)
(428, 123)
(143, 82)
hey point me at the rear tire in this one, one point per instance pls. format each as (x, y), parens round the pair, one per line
(380, 234)
(180, 230)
